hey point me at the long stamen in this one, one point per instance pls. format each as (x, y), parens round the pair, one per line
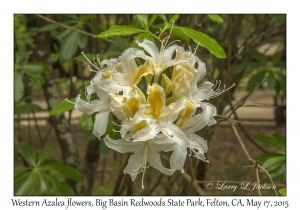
(116, 124)
(91, 68)
(207, 161)
(196, 49)
(95, 66)
(69, 101)
(217, 90)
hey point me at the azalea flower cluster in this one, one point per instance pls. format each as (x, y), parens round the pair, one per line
(162, 118)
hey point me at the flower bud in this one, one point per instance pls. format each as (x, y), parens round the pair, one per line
(139, 94)
(166, 84)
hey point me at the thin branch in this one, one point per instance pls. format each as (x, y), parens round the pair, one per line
(268, 176)
(241, 142)
(73, 29)
(242, 103)
(257, 176)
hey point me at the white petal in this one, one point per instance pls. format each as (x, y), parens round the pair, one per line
(155, 161)
(177, 158)
(197, 142)
(101, 120)
(145, 134)
(111, 85)
(162, 144)
(170, 112)
(175, 134)
(167, 54)
(123, 146)
(135, 162)
(201, 120)
(90, 108)
(151, 48)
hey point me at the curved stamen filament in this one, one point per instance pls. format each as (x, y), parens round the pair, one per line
(69, 101)
(144, 167)
(207, 161)
(93, 64)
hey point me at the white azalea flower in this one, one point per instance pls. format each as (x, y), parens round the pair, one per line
(160, 117)
(128, 73)
(189, 124)
(160, 59)
(143, 152)
(101, 106)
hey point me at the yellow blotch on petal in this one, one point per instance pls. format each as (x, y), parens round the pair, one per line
(107, 74)
(189, 111)
(139, 126)
(156, 100)
(141, 71)
(131, 107)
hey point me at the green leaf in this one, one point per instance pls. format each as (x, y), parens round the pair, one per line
(270, 141)
(174, 18)
(34, 70)
(204, 41)
(27, 153)
(21, 178)
(86, 122)
(216, 18)
(61, 186)
(262, 158)
(280, 139)
(282, 191)
(63, 35)
(45, 153)
(245, 66)
(143, 19)
(82, 40)
(35, 78)
(87, 138)
(280, 170)
(163, 17)
(273, 163)
(110, 54)
(256, 79)
(276, 57)
(20, 169)
(20, 56)
(48, 27)
(120, 31)
(122, 43)
(27, 187)
(110, 126)
(180, 35)
(152, 19)
(84, 18)
(271, 80)
(65, 170)
(280, 18)
(94, 28)
(45, 187)
(33, 67)
(68, 47)
(63, 107)
(259, 56)
(140, 38)
(18, 87)
(81, 58)
(24, 108)
(282, 81)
